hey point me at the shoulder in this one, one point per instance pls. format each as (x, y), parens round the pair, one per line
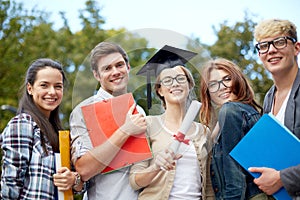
(153, 119)
(233, 107)
(85, 102)
(22, 118)
(297, 80)
(230, 107)
(22, 124)
(154, 123)
(237, 110)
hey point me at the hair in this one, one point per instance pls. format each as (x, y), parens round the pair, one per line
(49, 127)
(240, 87)
(274, 27)
(103, 49)
(190, 80)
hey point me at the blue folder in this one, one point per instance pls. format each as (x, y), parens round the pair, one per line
(268, 144)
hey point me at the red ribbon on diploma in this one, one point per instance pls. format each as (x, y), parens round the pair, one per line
(180, 137)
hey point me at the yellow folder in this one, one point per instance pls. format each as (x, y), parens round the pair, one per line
(64, 148)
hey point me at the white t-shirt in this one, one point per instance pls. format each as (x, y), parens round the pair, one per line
(281, 113)
(187, 181)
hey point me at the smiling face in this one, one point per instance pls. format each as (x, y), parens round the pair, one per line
(224, 93)
(47, 89)
(177, 88)
(279, 61)
(112, 73)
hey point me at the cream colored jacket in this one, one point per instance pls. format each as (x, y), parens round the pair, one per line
(161, 185)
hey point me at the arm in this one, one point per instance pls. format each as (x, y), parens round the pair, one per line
(209, 143)
(16, 156)
(290, 179)
(142, 170)
(95, 160)
(92, 162)
(142, 174)
(231, 123)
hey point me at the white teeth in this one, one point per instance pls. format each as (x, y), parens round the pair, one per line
(176, 91)
(274, 59)
(117, 80)
(52, 100)
(224, 95)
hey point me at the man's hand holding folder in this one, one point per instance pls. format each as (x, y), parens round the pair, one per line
(135, 122)
(118, 130)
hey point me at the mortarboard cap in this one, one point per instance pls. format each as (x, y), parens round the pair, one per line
(166, 57)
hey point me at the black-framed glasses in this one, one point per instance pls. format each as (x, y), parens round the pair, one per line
(167, 81)
(278, 43)
(214, 86)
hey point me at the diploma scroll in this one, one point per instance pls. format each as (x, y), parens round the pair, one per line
(186, 123)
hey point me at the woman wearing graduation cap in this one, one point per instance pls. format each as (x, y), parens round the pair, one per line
(170, 176)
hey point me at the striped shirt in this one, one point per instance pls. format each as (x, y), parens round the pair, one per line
(27, 170)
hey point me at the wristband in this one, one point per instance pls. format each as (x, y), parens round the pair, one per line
(77, 179)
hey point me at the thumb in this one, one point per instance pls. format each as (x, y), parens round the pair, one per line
(131, 109)
(256, 169)
(62, 170)
(177, 156)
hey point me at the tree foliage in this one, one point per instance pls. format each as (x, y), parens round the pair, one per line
(26, 35)
(236, 43)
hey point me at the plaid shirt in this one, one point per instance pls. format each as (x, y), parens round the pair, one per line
(27, 171)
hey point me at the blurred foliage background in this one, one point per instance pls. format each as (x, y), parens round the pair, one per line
(26, 35)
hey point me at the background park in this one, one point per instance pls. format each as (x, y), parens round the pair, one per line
(30, 33)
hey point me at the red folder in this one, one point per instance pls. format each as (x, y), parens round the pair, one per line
(104, 118)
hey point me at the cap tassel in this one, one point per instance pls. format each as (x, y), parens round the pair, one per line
(149, 97)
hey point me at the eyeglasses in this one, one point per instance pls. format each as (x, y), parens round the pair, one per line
(278, 43)
(214, 86)
(167, 81)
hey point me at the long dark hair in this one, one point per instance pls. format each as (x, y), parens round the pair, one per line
(49, 127)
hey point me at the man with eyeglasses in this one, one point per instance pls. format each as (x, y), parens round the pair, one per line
(278, 49)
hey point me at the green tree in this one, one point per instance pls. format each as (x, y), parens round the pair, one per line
(236, 43)
(28, 35)
(15, 24)
(202, 56)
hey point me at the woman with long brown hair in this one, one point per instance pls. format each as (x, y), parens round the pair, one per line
(230, 110)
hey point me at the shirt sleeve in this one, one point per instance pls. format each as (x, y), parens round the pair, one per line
(231, 123)
(17, 141)
(291, 178)
(80, 140)
(139, 166)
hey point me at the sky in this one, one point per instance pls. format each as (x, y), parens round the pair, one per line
(185, 17)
